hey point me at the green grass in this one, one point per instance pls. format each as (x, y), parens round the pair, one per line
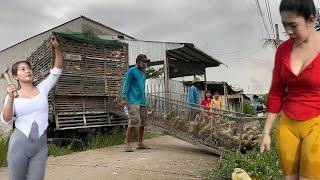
(54, 150)
(261, 166)
(91, 141)
(3, 150)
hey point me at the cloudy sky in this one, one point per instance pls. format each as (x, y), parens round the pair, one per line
(230, 30)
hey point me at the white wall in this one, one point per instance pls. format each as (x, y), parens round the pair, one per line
(24, 49)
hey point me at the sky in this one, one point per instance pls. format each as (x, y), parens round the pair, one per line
(229, 30)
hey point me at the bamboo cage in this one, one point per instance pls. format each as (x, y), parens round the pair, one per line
(90, 84)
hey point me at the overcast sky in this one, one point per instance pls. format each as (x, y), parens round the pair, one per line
(230, 30)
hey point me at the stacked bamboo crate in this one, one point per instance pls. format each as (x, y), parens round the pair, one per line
(90, 84)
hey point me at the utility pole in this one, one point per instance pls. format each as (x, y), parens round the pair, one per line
(278, 41)
(277, 32)
(274, 42)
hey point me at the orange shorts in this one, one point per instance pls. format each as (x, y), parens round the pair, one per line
(299, 146)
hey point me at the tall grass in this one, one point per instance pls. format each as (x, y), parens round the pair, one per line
(264, 166)
(3, 149)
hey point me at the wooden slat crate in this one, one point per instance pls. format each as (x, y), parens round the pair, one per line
(113, 84)
(89, 119)
(94, 67)
(115, 67)
(94, 51)
(92, 76)
(80, 103)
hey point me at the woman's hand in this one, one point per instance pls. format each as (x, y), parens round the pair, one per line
(54, 42)
(123, 103)
(265, 143)
(10, 89)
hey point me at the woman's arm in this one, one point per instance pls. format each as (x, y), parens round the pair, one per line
(7, 111)
(269, 122)
(275, 100)
(49, 82)
(58, 62)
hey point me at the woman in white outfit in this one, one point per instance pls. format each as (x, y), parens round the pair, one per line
(28, 152)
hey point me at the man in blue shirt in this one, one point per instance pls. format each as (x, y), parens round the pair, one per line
(193, 97)
(255, 101)
(134, 97)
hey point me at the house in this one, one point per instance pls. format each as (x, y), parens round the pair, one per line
(232, 98)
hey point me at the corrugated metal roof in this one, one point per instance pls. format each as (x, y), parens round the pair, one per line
(216, 86)
(155, 51)
(184, 58)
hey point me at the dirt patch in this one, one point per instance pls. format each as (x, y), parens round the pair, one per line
(169, 158)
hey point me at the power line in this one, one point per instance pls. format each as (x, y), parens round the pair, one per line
(251, 60)
(260, 60)
(236, 52)
(269, 16)
(251, 53)
(262, 18)
(254, 16)
(256, 19)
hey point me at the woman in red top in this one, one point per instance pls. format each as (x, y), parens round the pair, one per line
(295, 93)
(206, 104)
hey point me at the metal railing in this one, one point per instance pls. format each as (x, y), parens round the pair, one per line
(208, 128)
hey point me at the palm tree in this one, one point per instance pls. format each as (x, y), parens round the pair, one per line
(273, 42)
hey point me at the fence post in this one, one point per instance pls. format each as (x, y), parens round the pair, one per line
(166, 82)
(241, 130)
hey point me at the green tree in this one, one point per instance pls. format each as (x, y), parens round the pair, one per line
(264, 98)
(271, 42)
(248, 108)
(151, 73)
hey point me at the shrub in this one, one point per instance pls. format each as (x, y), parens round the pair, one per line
(260, 166)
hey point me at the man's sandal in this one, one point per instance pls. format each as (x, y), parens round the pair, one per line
(143, 147)
(128, 148)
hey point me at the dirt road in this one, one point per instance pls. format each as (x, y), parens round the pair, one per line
(168, 159)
